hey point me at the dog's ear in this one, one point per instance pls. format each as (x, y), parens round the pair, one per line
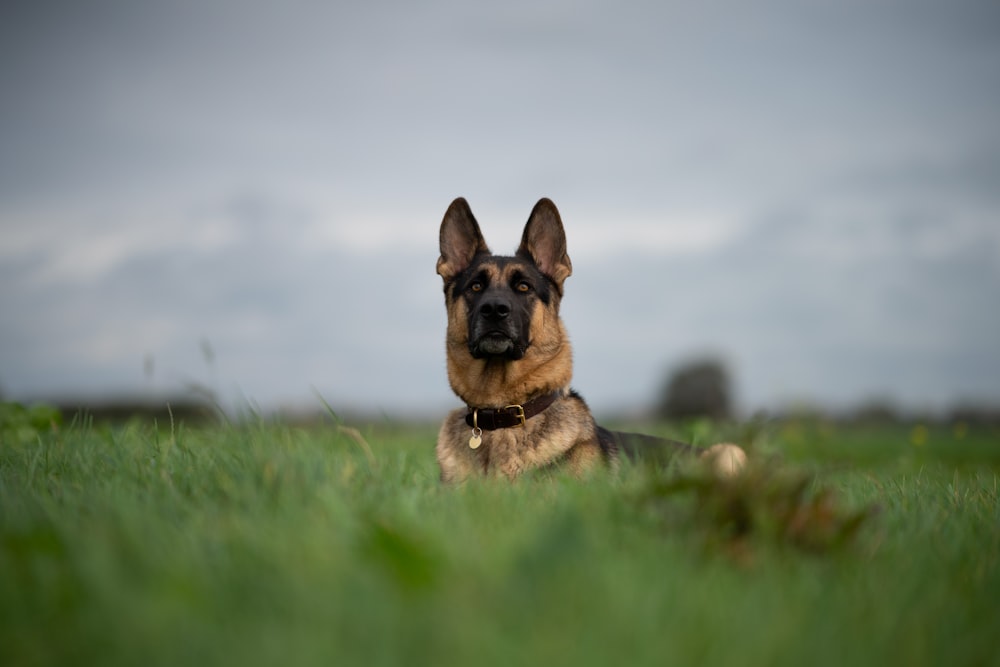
(544, 241)
(461, 240)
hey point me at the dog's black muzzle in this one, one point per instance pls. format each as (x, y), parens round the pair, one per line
(497, 328)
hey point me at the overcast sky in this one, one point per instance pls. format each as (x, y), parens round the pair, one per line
(810, 190)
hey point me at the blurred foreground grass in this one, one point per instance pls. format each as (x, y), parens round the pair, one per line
(266, 544)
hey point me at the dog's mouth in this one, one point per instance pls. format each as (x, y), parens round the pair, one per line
(496, 344)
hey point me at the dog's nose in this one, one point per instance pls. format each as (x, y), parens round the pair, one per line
(494, 310)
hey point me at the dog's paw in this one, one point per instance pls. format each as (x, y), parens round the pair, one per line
(725, 459)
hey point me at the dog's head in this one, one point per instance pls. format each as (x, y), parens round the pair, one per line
(497, 305)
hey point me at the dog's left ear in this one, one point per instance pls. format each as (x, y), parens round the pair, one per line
(544, 241)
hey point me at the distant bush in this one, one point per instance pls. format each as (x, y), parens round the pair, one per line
(877, 411)
(696, 389)
(975, 413)
(189, 410)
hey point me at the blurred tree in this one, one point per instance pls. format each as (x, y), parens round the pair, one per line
(969, 412)
(699, 388)
(877, 411)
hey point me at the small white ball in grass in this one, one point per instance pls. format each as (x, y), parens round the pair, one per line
(725, 458)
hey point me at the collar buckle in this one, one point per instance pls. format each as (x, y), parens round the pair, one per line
(520, 413)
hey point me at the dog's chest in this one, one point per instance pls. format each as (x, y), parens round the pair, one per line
(507, 452)
(557, 435)
(511, 451)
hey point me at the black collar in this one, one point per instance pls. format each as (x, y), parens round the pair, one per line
(491, 419)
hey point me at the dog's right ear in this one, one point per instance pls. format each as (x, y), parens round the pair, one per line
(461, 240)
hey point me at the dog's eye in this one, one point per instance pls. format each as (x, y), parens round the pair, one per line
(476, 286)
(523, 287)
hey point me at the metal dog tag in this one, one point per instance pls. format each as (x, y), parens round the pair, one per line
(476, 439)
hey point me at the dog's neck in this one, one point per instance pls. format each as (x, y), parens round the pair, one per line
(495, 383)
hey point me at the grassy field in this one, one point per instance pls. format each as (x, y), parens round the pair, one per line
(261, 544)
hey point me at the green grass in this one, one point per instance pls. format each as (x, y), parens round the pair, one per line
(265, 544)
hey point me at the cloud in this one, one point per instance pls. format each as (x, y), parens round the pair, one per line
(808, 189)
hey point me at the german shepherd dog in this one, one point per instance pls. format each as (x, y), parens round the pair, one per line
(509, 360)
